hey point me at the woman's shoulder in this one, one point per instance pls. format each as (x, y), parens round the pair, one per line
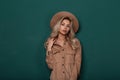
(48, 39)
(77, 42)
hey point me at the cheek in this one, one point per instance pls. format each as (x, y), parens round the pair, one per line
(68, 29)
(61, 27)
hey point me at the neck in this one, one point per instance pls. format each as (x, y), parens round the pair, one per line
(61, 37)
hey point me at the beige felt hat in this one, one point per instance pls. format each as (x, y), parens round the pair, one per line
(61, 14)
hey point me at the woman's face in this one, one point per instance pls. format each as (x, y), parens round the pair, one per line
(64, 27)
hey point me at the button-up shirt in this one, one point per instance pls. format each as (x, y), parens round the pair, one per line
(64, 61)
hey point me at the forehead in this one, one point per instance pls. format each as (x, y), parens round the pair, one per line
(66, 21)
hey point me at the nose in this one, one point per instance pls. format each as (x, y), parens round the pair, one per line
(65, 27)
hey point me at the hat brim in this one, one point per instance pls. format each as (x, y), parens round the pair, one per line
(61, 14)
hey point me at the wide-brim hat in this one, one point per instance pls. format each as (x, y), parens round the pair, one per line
(62, 14)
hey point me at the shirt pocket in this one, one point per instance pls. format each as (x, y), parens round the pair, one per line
(55, 50)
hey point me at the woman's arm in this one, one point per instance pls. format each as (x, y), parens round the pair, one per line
(49, 59)
(49, 53)
(77, 64)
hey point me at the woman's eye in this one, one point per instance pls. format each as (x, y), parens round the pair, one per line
(68, 26)
(62, 24)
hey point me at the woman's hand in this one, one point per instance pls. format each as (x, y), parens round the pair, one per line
(50, 43)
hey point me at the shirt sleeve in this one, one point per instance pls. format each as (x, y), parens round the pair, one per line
(77, 64)
(49, 59)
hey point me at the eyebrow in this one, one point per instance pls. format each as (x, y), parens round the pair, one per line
(64, 23)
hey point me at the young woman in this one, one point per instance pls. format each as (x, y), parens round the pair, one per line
(63, 50)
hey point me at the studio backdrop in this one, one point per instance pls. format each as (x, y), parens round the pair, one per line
(24, 27)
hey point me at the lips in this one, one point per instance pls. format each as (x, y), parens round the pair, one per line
(64, 30)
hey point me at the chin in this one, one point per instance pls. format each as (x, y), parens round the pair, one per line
(63, 33)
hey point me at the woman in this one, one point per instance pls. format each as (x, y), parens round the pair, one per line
(63, 50)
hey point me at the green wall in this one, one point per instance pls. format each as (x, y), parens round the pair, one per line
(24, 27)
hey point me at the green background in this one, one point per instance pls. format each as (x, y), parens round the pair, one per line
(24, 27)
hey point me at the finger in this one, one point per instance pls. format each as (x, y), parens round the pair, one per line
(54, 40)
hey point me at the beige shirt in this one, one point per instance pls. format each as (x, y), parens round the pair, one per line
(64, 61)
